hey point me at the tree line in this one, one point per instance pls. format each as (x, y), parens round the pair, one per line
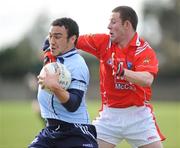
(24, 57)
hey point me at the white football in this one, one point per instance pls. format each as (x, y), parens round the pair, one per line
(64, 76)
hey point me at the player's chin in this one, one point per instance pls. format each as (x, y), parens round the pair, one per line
(112, 38)
(54, 52)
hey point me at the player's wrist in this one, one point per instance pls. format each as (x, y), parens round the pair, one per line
(56, 87)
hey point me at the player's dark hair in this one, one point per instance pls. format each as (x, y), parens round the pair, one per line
(70, 25)
(127, 13)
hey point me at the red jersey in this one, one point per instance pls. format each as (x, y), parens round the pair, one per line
(137, 56)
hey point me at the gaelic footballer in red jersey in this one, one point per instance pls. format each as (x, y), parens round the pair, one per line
(137, 56)
(128, 66)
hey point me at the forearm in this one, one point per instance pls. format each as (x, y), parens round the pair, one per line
(61, 93)
(139, 78)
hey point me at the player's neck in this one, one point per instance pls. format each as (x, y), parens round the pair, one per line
(127, 39)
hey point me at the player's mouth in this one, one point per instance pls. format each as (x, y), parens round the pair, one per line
(111, 34)
(53, 49)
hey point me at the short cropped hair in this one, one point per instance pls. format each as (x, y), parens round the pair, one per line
(70, 25)
(127, 13)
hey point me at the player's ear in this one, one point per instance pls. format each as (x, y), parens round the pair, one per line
(73, 39)
(127, 24)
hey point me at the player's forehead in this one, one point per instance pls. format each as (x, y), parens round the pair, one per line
(57, 30)
(115, 16)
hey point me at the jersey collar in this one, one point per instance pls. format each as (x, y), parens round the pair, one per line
(69, 53)
(135, 40)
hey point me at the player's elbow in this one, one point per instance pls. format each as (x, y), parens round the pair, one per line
(71, 105)
(75, 98)
(72, 109)
(148, 83)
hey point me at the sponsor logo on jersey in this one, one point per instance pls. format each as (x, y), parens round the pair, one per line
(125, 86)
(87, 145)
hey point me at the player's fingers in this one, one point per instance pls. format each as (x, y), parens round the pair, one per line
(39, 77)
(40, 81)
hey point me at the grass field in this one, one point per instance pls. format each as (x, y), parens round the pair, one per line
(19, 124)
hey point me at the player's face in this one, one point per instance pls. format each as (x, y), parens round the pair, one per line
(58, 39)
(116, 28)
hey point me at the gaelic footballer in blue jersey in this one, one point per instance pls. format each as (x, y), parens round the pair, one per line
(68, 123)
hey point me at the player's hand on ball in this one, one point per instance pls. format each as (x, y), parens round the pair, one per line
(54, 75)
(49, 80)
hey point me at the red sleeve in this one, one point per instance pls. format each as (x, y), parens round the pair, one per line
(146, 61)
(93, 43)
(48, 57)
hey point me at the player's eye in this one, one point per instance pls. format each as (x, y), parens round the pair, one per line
(57, 36)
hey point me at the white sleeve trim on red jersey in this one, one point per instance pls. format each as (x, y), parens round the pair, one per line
(142, 48)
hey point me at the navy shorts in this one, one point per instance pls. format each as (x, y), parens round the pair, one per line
(65, 135)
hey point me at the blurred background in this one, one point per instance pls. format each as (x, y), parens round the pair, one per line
(23, 28)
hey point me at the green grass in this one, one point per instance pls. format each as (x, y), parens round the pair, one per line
(19, 124)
